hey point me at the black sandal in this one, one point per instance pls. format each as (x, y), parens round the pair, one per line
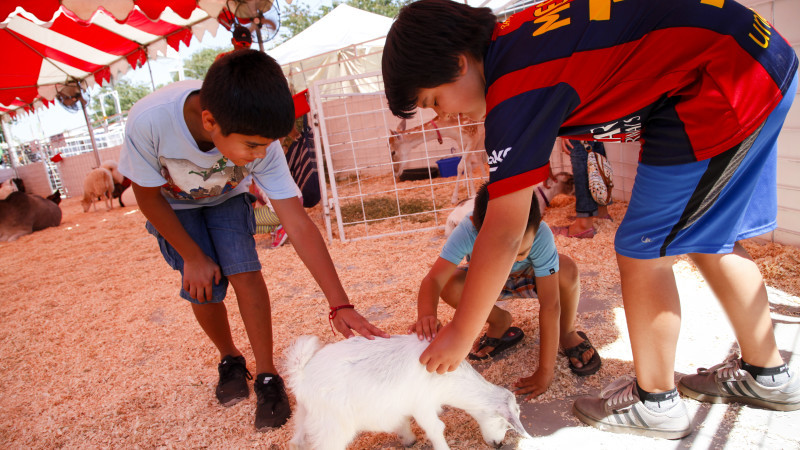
(589, 367)
(510, 338)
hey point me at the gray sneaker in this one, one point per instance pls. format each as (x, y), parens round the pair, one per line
(619, 410)
(728, 382)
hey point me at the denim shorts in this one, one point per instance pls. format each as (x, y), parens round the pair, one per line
(224, 232)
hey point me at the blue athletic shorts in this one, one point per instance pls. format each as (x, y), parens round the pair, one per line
(225, 233)
(706, 206)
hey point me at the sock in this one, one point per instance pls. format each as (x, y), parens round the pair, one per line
(768, 376)
(658, 402)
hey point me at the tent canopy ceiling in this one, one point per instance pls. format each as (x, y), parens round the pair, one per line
(334, 31)
(49, 43)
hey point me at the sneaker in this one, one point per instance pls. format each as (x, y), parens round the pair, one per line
(272, 409)
(728, 382)
(233, 375)
(278, 237)
(619, 410)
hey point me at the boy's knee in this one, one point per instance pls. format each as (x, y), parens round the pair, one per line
(568, 269)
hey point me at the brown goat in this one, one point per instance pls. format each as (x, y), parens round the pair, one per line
(22, 213)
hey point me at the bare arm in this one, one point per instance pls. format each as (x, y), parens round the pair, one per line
(493, 255)
(430, 290)
(566, 145)
(549, 332)
(310, 247)
(198, 269)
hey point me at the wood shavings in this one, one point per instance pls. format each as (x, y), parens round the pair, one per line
(99, 351)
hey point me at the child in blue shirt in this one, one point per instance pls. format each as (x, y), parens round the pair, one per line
(538, 271)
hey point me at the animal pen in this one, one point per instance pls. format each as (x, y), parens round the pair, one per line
(367, 195)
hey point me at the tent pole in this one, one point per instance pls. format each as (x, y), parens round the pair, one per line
(12, 152)
(152, 82)
(91, 131)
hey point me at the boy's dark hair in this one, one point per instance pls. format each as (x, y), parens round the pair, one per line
(247, 93)
(482, 202)
(423, 46)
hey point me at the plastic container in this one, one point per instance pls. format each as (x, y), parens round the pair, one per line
(448, 167)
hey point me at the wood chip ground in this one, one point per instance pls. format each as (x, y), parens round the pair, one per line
(98, 351)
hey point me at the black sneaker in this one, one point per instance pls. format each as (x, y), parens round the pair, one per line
(272, 409)
(233, 375)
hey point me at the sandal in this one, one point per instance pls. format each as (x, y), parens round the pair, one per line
(564, 231)
(510, 338)
(589, 367)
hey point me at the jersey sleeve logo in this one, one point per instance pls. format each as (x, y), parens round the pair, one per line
(497, 157)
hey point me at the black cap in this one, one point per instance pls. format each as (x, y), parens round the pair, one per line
(242, 34)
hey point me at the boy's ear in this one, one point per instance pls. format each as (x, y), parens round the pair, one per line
(463, 64)
(209, 122)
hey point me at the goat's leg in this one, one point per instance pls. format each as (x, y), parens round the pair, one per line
(333, 437)
(433, 427)
(407, 437)
(459, 170)
(300, 417)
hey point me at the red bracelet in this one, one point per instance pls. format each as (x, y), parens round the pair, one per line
(332, 314)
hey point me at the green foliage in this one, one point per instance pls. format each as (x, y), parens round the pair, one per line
(297, 17)
(196, 66)
(128, 92)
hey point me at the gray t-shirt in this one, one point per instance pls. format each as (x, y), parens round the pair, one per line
(160, 151)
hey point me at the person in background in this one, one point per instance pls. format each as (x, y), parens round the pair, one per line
(586, 209)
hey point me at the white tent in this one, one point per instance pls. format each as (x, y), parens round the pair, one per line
(345, 41)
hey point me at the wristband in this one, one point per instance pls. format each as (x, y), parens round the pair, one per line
(332, 314)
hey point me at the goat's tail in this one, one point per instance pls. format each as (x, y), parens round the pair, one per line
(298, 355)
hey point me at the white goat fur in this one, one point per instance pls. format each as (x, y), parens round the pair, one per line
(469, 136)
(561, 183)
(113, 167)
(98, 183)
(361, 385)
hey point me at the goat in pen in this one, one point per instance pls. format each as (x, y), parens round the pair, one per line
(468, 134)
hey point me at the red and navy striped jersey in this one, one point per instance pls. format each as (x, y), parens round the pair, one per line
(688, 79)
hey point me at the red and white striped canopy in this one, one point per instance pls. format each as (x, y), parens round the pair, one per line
(45, 44)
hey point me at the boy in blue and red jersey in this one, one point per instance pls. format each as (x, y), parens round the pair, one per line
(703, 85)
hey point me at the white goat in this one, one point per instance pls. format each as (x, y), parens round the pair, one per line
(113, 167)
(98, 183)
(379, 385)
(468, 134)
(560, 183)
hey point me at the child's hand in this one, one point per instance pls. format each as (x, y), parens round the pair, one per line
(426, 327)
(198, 275)
(349, 320)
(446, 351)
(535, 384)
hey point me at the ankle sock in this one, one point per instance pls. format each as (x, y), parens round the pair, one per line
(768, 376)
(658, 402)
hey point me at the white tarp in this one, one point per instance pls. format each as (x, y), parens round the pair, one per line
(342, 27)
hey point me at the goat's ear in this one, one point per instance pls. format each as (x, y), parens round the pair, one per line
(401, 126)
(394, 133)
(511, 414)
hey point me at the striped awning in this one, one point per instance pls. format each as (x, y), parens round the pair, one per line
(45, 44)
